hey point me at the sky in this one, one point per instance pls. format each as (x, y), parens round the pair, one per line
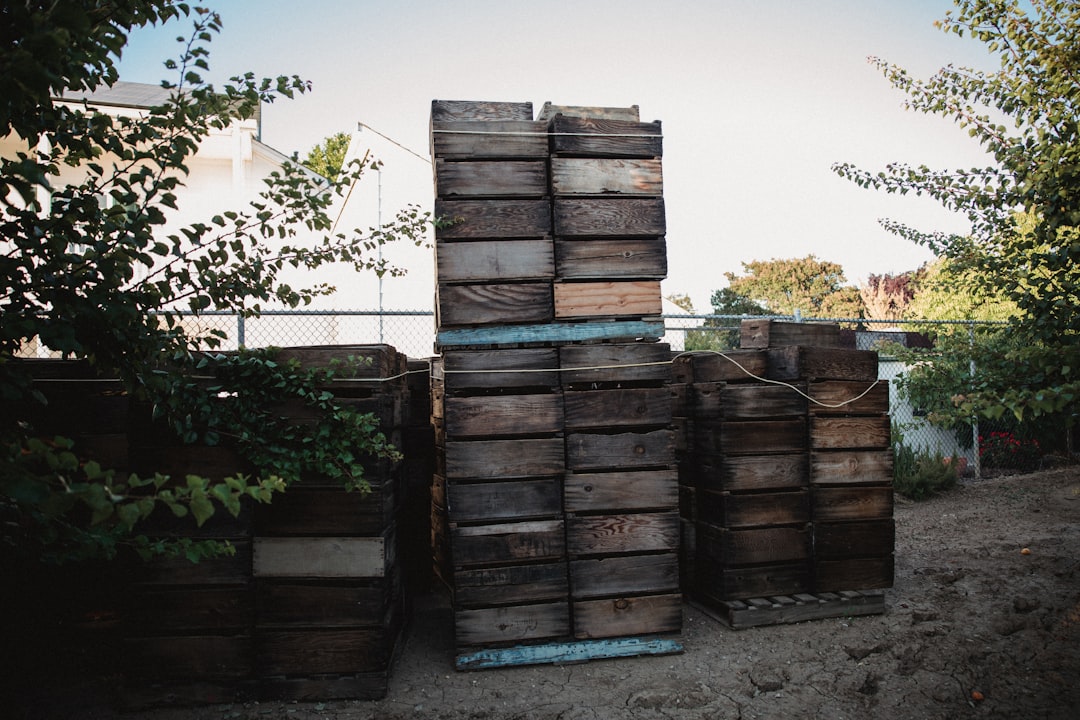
(757, 99)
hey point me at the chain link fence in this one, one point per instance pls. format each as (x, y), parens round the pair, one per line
(413, 333)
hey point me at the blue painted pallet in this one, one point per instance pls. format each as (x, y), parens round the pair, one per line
(565, 652)
(507, 335)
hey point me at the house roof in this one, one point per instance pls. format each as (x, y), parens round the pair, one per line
(121, 94)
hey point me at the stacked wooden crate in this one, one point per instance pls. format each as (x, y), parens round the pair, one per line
(329, 601)
(790, 473)
(554, 509)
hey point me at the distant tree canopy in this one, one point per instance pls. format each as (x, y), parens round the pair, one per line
(887, 297)
(813, 287)
(327, 157)
(1024, 205)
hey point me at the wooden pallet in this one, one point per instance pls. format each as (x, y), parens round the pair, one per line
(565, 652)
(755, 612)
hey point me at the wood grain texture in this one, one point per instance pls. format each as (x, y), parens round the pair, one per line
(636, 298)
(494, 303)
(503, 415)
(496, 178)
(504, 500)
(548, 333)
(854, 574)
(811, 363)
(851, 467)
(755, 546)
(494, 260)
(751, 437)
(856, 538)
(753, 472)
(549, 111)
(606, 176)
(847, 397)
(767, 333)
(489, 626)
(744, 510)
(638, 490)
(622, 533)
(711, 367)
(465, 370)
(509, 458)
(514, 584)
(852, 503)
(622, 450)
(345, 557)
(640, 258)
(450, 110)
(496, 219)
(472, 140)
(627, 575)
(715, 580)
(508, 543)
(630, 407)
(612, 218)
(626, 616)
(605, 137)
(620, 362)
(759, 401)
(862, 432)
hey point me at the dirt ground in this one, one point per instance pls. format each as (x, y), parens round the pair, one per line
(973, 627)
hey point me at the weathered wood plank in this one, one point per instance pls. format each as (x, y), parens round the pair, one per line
(833, 433)
(503, 415)
(605, 299)
(756, 546)
(852, 503)
(465, 370)
(767, 333)
(494, 260)
(550, 111)
(628, 575)
(845, 397)
(322, 556)
(480, 139)
(611, 258)
(757, 401)
(753, 472)
(752, 437)
(642, 615)
(562, 332)
(854, 574)
(812, 363)
(509, 458)
(623, 533)
(606, 176)
(622, 450)
(630, 407)
(328, 511)
(488, 626)
(641, 490)
(515, 584)
(738, 615)
(450, 110)
(616, 217)
(854, 538)
(629, 362)
(566, 652)
(851, 467)
(495, 219)
(512, 542)
(730, 366)
(504, 500)
(324, 603)
(743, 510)
(716, 580)
(496, 178)
(494, 303)
(324, 651)
(604, 137)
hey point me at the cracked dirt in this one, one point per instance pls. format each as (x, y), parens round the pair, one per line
(973, 628)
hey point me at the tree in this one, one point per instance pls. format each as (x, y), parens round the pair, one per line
(100, 283)
(1024, 205)
(887, 297)
(811, 287)
(327, 157)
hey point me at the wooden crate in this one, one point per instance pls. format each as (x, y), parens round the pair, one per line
(873, 573)
(593, 367)
(495, 304)
(504, 500)
(330, 511)
(870, 432)
(816, 363)
(606, 176)
(551, 111)
(492, 219)
(851, 503)
(755, 509)
(630, 407)
(754, 546)
(489, 416)
(507, 543)
(488, 139)
(511, 585)
(752, 472)
(511, 624)
(614, 258)
(751, 437)
(851, 467)
(717, 580)
(642, 532)
(498, 370)
(638, 450)
(493, 261)
(846, 397)
(632, 298)
(623, 576)
(326, 557)
(507, 458)
(854, 538)
(627, 616)
(625, 490)
(496, 179)
(710, 367)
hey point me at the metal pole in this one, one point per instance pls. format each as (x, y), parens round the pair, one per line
(975, 420)
(240, 340)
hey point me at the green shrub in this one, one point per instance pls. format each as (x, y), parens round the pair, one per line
(919, 476)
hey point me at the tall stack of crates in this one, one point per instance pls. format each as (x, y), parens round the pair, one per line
(787, 474)
(554, 508)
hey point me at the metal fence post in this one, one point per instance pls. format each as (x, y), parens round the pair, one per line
(240, 331)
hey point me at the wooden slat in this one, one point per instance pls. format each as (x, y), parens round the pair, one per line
(628, 575)
(603, 137)
(756, 546)
(503, 415)
(355, 557)
(530, 457)
(803, 607)
(566, 652)
(854, 538)
(844, 397)
(508, 543)
(606, 176)
(324, 603)
(622, 450)
(496, 219)
(611, 258)
(854, 574)
(752, 437)
(867, 432)
(515, 584)
(605, 299)
(324, 651)
(617, 217)
(753, 472)
(641, 490)
(549, 111)
(628, 407)
(472, 140)
(730, 366)
(504, 500)
(624, 533)
(494, 260)
(497, 178)
(494, 304)
(642, 615)
(450, 110)
(851, 467)
(756, 401)
(464, 370)
(812, 363)
(622, 363)
(742, 510)
(563, 332)
(716, 580)
(489, 626)
(852, 503)
(330, 512)
(767, 333)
